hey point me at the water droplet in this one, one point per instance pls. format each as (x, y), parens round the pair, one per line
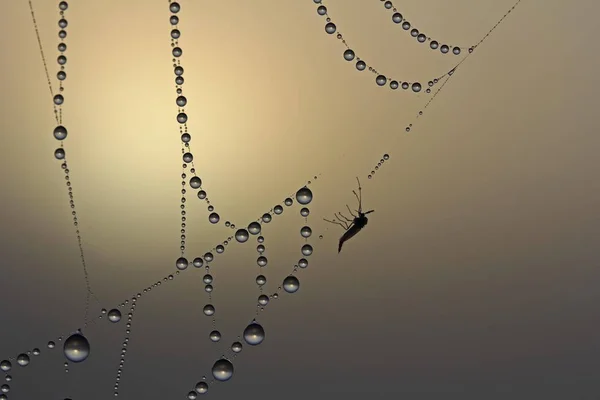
(60, 132)
(381, 80)
(330, 28)
(262, 261)
(241, 235)
(278, 209)
(254, 334)
(306, 231)
(207, 279)
(321, 10)
(202, 387)
(421, 38)
(291, 284)
(5, 365)
(416, 87)
(114, 315)
(76, 348)
(222, 370)
(181, 263)
(434, 44)
(304, 212)
(361, 65)
(394, 85)
(51, 344)
(261, 280)
(215, 336)
(303, 262)
(174, 7)
(414, 32)
(236, 347)
(349, 55)
(208, 310)
(444, 49)
(198, 262)
(304, 195)
(266, 217)
(307, 249)
(195, 182)
(254, 228)
(213, 217)
(263, 299)
(397, 17)
(406, 25)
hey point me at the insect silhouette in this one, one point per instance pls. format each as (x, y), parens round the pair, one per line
(352, 226)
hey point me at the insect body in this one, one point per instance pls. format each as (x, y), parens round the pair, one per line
(352, 226)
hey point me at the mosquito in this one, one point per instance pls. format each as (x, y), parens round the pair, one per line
(352, 226)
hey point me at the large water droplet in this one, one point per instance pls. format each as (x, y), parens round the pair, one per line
(241, 235)
(181, 263)
(5, 365)
(222, 370)
(76, 348)
(291, 284)
(304, 195)
(114, 315)
(254, 334)
(254, 228)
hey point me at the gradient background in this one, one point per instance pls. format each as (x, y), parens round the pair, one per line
(476, 278)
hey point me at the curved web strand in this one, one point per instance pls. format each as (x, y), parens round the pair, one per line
(65, 167)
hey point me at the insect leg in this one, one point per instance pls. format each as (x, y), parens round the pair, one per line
(351, 211)
(340, 223)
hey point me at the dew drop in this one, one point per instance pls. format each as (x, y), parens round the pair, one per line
(307, 249)
(201, 387)
(114, 315)
(291, 284)
(222, 370)
(60, 132)
(254, 334)
(213, 217)
(181, 263)
(306, 231)
(208, 310)
(349, 55)
(236, 347)
(304, 195)
(76, 348)
(241, 235)
(215, 336)
(254, 228)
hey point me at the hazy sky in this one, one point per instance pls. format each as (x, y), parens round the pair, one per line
(476, 277)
